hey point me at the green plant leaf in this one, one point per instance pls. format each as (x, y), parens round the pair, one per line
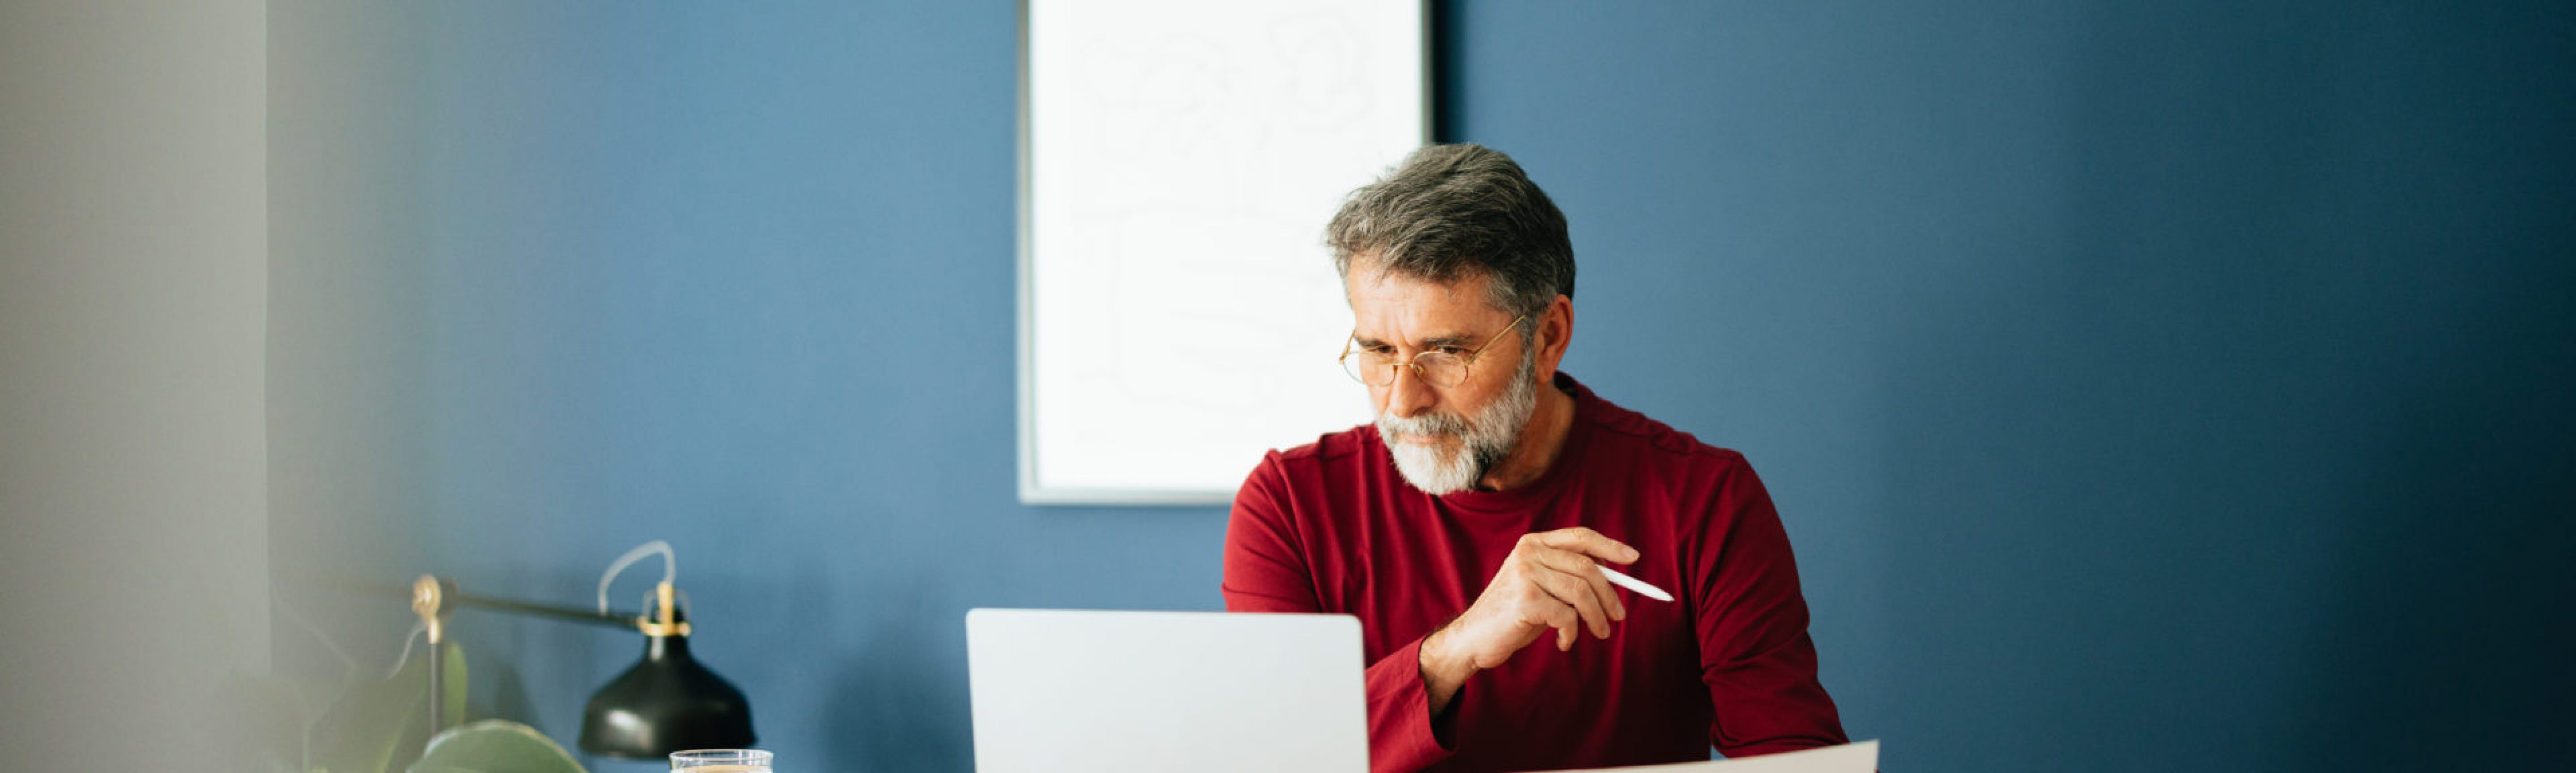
(495, 746)
(376, 727)
(453, 707)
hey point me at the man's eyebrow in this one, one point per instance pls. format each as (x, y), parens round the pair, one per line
(1434, 342)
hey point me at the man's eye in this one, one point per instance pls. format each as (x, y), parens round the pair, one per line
(1450, 350)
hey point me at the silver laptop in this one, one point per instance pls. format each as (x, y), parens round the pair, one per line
(1069, 691)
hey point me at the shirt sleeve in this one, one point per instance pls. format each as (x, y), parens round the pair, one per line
(1755, 655)
(1265, 571)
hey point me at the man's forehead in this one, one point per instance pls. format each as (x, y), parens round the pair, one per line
(1378, 287)
(1385, 305)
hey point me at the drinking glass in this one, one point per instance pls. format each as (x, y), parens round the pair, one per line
(721, 761)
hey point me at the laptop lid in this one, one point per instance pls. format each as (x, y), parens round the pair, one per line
(1065, 690)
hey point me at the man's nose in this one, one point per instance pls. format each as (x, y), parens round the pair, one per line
(1407, 396)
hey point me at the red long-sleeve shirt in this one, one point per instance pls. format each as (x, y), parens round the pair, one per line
(1332, 527)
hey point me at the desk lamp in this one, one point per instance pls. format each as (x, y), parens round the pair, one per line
(665, 703)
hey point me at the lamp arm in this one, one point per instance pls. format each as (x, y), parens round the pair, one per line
(444, 599)
(612, 618)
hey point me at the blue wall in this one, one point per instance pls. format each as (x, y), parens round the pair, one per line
(2143, 389)
(2156, 388)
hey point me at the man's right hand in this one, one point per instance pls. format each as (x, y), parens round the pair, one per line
(1550, 581)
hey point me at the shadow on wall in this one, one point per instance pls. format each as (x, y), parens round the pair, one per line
(2271, 458)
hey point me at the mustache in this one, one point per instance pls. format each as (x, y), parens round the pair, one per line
(1425, 424)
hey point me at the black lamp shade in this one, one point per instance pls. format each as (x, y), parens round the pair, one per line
(665, 704)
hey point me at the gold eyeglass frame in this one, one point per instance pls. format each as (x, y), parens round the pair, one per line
(1466, 362)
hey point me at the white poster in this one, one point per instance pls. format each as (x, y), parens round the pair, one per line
(1180, 158)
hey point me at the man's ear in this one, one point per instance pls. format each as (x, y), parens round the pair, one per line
(1555, 331)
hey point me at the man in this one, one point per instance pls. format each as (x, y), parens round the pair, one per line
(1467, 524)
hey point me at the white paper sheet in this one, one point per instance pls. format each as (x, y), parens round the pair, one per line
(1848, 758)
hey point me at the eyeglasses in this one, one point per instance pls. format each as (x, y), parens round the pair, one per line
(1439, 367)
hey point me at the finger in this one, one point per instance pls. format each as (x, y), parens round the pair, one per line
(1536, 606)
(1582, 568)
(1561, 618)
(1590, 543)
(1573, 592)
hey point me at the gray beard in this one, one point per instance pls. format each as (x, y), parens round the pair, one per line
(1443, 469)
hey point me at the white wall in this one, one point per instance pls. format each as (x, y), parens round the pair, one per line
(133, 294)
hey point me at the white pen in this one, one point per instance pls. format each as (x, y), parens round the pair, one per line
(1633, 584)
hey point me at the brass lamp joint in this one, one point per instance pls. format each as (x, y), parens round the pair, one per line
(429, 601)
(663, 619)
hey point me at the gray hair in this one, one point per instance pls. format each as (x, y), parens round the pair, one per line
(1451, 212)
